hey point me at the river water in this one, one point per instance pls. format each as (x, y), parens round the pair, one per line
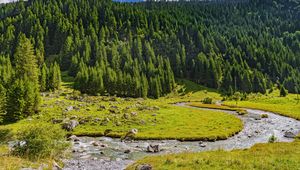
(113, 157)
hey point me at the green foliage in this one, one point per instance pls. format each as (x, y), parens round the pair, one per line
(236, 97)
(22, 100)
(207, 100)
(138, 54)
(39, 141)
(272, 139)
(25, 60)
(283, 91)
(5, 135)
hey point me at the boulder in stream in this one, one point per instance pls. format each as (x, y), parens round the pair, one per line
(289, 134)
(153, 148)
(73, 138)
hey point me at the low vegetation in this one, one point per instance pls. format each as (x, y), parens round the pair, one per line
(283, 156)
(286, 106)
(214, 106)
(39, 141)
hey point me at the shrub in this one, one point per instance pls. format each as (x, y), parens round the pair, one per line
(207, 100)
(5, 135)
(283, 92)
(264, 116)
(40, 141)
(272, 139)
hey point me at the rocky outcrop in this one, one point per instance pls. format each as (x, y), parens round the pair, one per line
(70, 125)
(289, 134)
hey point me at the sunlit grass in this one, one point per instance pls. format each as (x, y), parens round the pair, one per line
(283, 156)
(287, 106)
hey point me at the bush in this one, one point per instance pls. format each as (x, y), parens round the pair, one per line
(5, 135)
(207, 100)
(283, 92)
(40, 141)
(272, 139)
(264, 116)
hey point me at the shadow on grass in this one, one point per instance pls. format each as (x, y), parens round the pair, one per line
(68, 81)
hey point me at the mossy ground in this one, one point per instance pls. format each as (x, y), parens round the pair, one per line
(287, 106)
(283, 156)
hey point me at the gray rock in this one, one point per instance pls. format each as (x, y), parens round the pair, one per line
(289, 134)
(70, 108)
(127, 151)
(94, 143)
(255, 116)
(202, 144)
(114, 107)
(74, 138)
(73, 117)
(70, 125)
(118, 123)
(97, 119)
(56, 121)
(144, 167)
(153, 148)
(126, 116)
(133, 113)
(102, 107)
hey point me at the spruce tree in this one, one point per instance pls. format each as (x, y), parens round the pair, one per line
(43, 78)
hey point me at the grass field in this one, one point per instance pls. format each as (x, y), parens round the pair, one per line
(155, 119)
(283, 156)
(287, 106)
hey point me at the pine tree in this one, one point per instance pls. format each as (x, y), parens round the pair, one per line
(283, 91)
(56, 78)
(15, 101)
(43, 78)
(2, 102)
(25, 60)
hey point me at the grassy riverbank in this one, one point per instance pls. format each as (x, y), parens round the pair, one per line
(287, 106)
(284, 156)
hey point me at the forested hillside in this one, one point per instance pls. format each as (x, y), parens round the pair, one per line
(137, 50)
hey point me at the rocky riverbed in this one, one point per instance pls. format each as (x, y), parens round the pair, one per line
(103, 153)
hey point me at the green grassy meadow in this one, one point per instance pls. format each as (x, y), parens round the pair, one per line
(155, 119)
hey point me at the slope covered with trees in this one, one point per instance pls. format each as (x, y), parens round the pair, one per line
(137, 50)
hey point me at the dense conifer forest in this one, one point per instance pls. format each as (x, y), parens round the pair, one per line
(137, 50)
